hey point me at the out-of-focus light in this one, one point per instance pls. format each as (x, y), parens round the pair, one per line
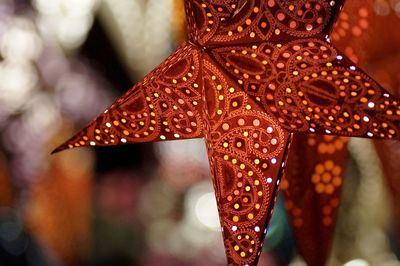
(396, 6)
(182, 166)
(72, 32)
(179, 152)
(31, 67)
(17, 80)
(382, 8)
(20, 41)
(42, 116)
(143, 32)
(201, 207)
(48, 7)
(206, 211)
(67, 20)
(6, 6)
(74, 99)
(356, 262)
(68, 7)
(10, 231)
(12, 239)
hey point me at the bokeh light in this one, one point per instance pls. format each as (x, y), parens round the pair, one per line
(62, 62)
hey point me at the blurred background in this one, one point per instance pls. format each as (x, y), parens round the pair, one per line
(64, 61)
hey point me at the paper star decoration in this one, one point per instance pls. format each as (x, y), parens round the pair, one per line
(312, 191)
(252, 74)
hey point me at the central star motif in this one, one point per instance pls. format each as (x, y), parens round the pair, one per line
(252, 74)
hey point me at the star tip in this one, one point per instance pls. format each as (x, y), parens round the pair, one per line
(55, 151)
(58, 149)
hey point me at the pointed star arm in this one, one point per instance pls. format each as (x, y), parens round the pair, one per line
(312, 192)
(247, 149)
(331, 95)
(163, 106)
(309, 86)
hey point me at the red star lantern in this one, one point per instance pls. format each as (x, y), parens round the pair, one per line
(252, 74)
(313, 209)
(312, 193)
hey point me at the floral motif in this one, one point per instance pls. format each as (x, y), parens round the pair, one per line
(327, 177)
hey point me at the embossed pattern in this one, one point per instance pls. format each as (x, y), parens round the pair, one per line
(312, 192)
(252, 74)
(247, 149)
(165, 105)
(313, 195)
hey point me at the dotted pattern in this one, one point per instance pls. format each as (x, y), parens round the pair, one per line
(232, 22)
(247, 150)
(166, 105)
(252, 74)
(313, 215)
(312, 192)
(307, 85)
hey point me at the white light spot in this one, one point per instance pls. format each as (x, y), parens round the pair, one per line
(327, 38)
(257, 229)
(366, 119)
(206, 211)
(123, 140)
(328, 131)
(270, 130)
(177, 136)
(312, 129)
(386, 95)
(371, 105)
(273, 161)
(352, 68)
(234, 228)
(92, 143)
(357, 262)
(339, 57)
(370, 134)
(269, 180)
(108, 124)
(163, 137)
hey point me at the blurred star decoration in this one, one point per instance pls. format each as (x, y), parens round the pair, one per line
(253, 75)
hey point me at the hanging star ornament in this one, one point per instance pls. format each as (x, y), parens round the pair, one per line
(312, 191)
(251, 74)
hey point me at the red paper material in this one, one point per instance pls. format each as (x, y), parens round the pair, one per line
(252, 74)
